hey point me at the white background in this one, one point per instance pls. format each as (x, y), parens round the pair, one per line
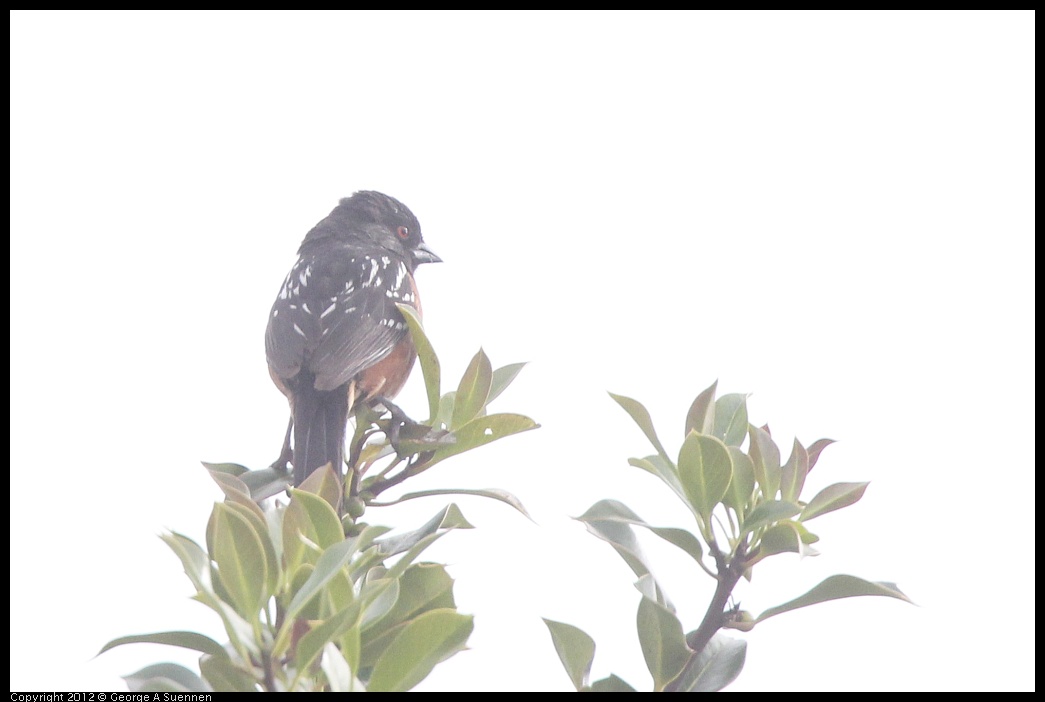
(833, 211)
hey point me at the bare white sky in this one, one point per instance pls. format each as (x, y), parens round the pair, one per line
(833, 211)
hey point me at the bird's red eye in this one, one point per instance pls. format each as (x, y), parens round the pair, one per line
(403, 232)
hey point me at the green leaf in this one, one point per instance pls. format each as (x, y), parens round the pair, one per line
(481, 431)
(326, 483)
(706, 470)
(700, 417)
(716, 666)
(184, 639)
(786, 537)
(662, 641)
(165, 677)
(767, 513)
(833, 497)
(311, 645)
(502, 378)
(492, 493)
(731, 419)
(765, 458)
(446, 410)
(198, 568)
(815, 448)
(336, 670)
(473, 391)
(449, 517)
(310, 517)
(620, 536)
(233, 469)
(793, 473)
(426, 355)
(576, 651)
(229, 483)
(663, 469)
(224, 676)
(422, 588)
(422, 644)
(742, 485)
(379, 595)
(253, 514)
(329, 564)
(241, 560)
(611, 684)
(641, 417)
(835, 588)
(614, 511)
(266, 482)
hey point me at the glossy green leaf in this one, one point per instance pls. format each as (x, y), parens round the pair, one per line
(266, 482)
(330, 563)
(611, 684)
(793, 473)
(785, 537)
(165, 677)
(640, 415)
(422, 644)
(492, 493)
(193, 559)
(197, 567)
(233, 469)
(765, 458)
(309, 517)
(705, 469)
(241, 560)
(253, 514)
(450, 517)
(229, 483)
(614, 511)
(183, 639)
(815, 448)
(446, 410)
(833, 497)
(835, 588)
(426, 355)
(224, 676)
(325, 483)
(423, 587)
(483, 430)
(663, 469)
(731, 419)
(473, 390)
(620, 536)
(378, 596)
(716, 666)
(576, 651)
(336, 670)
(701, 416)
(502, 378)
(767, 513)
(741, 487)
(311, 645)
(663, 642)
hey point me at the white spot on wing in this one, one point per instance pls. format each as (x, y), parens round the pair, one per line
(298, 330)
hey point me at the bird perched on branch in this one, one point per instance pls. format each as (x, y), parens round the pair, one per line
(335, 337)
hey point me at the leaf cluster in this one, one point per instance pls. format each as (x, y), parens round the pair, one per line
(310, 597)
(747, 505)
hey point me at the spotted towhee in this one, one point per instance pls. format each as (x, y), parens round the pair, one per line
(334, 334)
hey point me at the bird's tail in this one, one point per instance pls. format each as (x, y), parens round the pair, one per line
(319, 430)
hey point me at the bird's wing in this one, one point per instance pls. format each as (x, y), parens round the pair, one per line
(335, 316)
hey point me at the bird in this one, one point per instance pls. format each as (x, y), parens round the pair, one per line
(335, 337)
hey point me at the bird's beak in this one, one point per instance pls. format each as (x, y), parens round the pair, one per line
(422, 254)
